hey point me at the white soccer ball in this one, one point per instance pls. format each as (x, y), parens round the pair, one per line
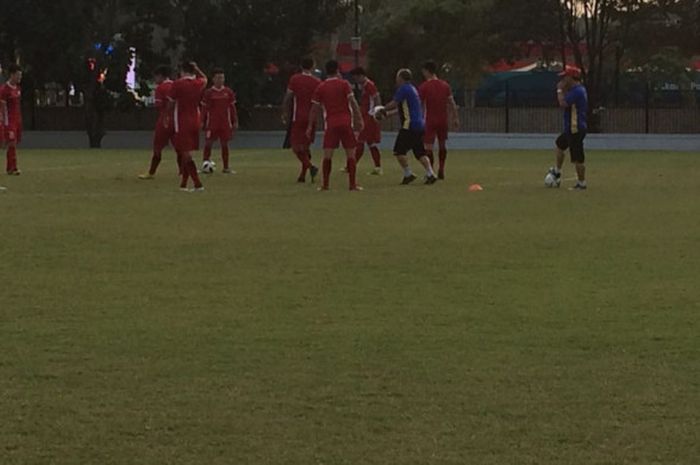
(552, 181)
(208, 167)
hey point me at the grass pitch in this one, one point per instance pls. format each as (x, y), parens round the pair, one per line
(265, 323)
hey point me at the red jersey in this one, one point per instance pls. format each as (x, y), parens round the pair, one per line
(435, 95)
(303, 87)
(161, 101)
(220, 108)
(334, 95)
(369, 99)
(187, 95)
(11, 96)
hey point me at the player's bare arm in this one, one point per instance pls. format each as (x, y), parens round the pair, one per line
(199, 73)
(391, 108)
(287, 106)
(313, 116)
(561, 94)
(453, 111)
(358, 123)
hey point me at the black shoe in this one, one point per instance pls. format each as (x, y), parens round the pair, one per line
(441, 175)
(314, 172)
(430, 180)
(408, 180)
(301, 180)
(579, 187)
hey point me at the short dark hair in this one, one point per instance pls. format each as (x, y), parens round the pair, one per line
(307, 64)
(217, 70)
(332, 67)
(406, 74)
(163, 70)
(13, 68)
(359, 71)
(188, 67)
(430, 66)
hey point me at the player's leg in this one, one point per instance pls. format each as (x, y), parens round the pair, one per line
(190, 169)
(376, 159)
(302, 153)
(561, 146)
(421, 155)
(401, 148)
(327, 167)
(225, 154)
(442, 154)
(350, 145)
(429, 143)
(578, 158)
(208, 145)
(160, 141)
(13, 136)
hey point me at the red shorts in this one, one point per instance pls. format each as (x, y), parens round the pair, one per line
(225, 134)
(435, 130)
(162, 137)
(187, 139)
(371, 134)
(13, 134)
(298, 137)
(335, 136)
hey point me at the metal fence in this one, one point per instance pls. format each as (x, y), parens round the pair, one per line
(663, 112)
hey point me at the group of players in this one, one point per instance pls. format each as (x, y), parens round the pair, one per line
(426, 114)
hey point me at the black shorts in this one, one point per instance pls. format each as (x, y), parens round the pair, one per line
(410, 141)
(574, 144)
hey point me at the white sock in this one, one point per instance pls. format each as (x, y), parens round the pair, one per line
(429, 172)
(582, 183)
(407, 172)
(557, 170)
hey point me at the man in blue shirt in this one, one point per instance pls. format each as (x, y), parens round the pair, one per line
(573, 98)
(407, 104)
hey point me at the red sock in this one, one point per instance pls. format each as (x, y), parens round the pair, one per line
(185, 176)
(225, 154)
(359, 152)
(376, 156)
(11, 158)
(155, 161)
(431, 157)
(443, 158)
(207, 152)
(327, 166)
(178, 159)
(305, 162)
(352, 172)
(193, 174)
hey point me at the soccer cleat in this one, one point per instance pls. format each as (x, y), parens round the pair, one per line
(579, 187)
(430, 180)
(146, 177)
(3, 189)
(301, 180)
(408, 180)
(344, 169)
(376, 172)
(356, 189)
(186, 189)
(229, 171)
(314, 172)
(441, 175)
(14, 173)
(323, 189)
(198, 189)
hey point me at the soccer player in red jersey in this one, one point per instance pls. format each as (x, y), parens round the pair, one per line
(371, 135)
(440, 111)
(342, 115)
(296, 109)
(185, 97)
(11, 108)
(220, 117)
(164, 133)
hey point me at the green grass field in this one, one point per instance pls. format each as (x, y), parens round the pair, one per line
(262, 322)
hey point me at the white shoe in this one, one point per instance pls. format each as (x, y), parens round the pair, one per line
(376, 172)
(344, 169)
(185, 189)
(198, 189)
(3, 189)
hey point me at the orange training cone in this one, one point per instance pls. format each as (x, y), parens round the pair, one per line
(475, 188)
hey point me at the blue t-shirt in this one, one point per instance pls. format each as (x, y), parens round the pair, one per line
(410, 108)
(576, 113)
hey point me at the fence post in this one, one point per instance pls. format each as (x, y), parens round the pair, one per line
(647, 104)
(507, 107)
